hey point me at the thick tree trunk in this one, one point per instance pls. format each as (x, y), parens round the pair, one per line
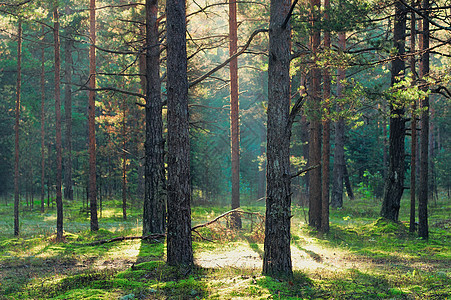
(326, 136)
(16, 129)
(154, 215)
(277, 256)
(179, 243)
(413, 125)
(423, 230)
(339, 152)
(58, 144)
(315, 209)
(68, 186)
(234, 115)
(42, 123)
(92, 187)
(394, 182)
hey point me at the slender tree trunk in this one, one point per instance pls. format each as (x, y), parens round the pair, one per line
(58, 144)
(234, 114)
(262, 172)
(326, 136)
(42, 123)
(16, 129)
(315, 199)
(394, 182)
(423, 230)
(179, 242)
(124, 164)
(277, 256)
(154, 215)
(348, 183)
(413, 125)
(68, 186)
(91, 117)
(339, 152)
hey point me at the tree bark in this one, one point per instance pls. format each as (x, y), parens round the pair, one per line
(154, 215)
(179, 242)
(423, 230)
(91, 118)
(277, 255)
(68, 185)
(43, 123)
(339, 152)
(413, 125)
(326, 136)
(58, 144)
(234, 115)
(16, 129)
(315, 207)
(394, 182)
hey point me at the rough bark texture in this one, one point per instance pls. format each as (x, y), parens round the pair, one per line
(58, 144)
(413, 126)
(68, 186)
(423, 230)
(277, 255)
(234, 115)
(315, 124)
(16, 129)
(154, 216)
(394, 182)
(326, 137)
(92, 187)
(42, 123)
(179, 243)
(339, 152)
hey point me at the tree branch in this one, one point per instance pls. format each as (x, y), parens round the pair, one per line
(304, 171)
(214, 70)
(285, 23)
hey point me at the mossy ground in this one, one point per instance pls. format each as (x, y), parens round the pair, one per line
(363, 257)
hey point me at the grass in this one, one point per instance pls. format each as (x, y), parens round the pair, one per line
(362, 257)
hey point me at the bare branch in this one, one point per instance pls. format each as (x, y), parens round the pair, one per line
(304, 171)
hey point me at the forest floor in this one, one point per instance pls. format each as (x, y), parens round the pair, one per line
(363, 257)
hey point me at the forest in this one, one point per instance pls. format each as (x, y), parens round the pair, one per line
(214, 149)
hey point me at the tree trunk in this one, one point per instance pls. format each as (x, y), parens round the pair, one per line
(413, 125)
(423, 230)
(68, 186)
(92, 118)
(16, 129)
(315, 209)
(277, 256)
(339, 152)
(348, 183)
(234, 115)
(154, 215)
(179, 242)
(124, 164)
(326, 136)
(262, 172)
(43, 123)
(394, 182)
(58, 144)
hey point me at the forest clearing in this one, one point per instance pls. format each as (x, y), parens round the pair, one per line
(362, 257)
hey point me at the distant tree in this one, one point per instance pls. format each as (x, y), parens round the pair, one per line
(423, 230)
(58, 142)
(413, 123)
(179, 242)
(315, 209)
(234, 114)
(394, 181)
(326, 134)
(339, 152)
(69, 44)
(16, 128)
(91, 118)
(277, 255)
(42, 122)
